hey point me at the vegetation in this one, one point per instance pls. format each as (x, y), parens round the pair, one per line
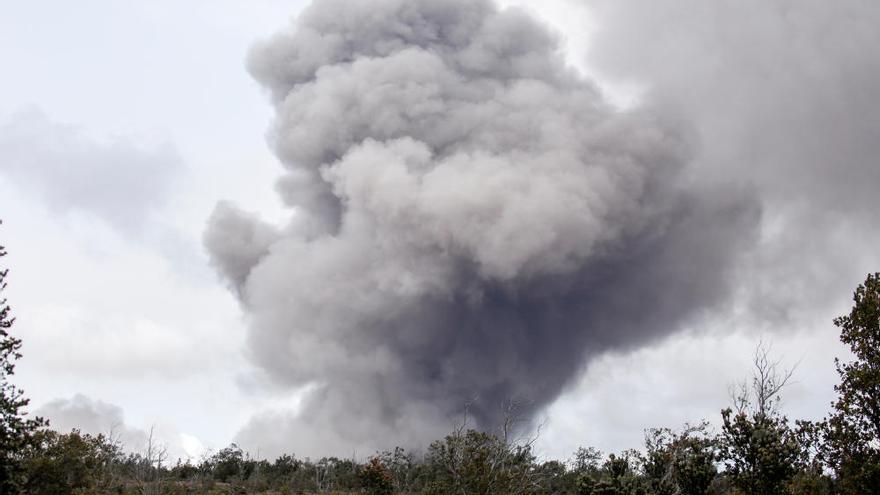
(757, 451)
(16, 430)
(759, 448)
(852, 433)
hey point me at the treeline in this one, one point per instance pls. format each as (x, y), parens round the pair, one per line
(756, 451)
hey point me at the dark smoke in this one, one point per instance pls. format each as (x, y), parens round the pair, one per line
(470, 220)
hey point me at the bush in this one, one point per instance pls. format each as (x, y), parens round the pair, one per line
(70, 463)
(375, 478)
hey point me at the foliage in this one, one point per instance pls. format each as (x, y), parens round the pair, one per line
(403, 468)
(680, 463)
(853, 430)
(229, 464)
(760, 450)
(375, 478)
(477, 462)
(624, 473)
(16, 430)
(73, 463)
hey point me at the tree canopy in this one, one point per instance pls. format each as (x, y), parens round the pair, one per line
(853, 429)
(16, 430)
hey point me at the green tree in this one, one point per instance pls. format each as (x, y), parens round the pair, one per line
(375, 478)
(680, 463)
(401, 465)
(621, 475)
(760, 450)
(472, 461)
(586, 470)
(72, 463)
(228, 464)
(852, 432)
(16, 430)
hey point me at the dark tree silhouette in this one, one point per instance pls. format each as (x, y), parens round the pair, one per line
(853, 430)
(16, 430)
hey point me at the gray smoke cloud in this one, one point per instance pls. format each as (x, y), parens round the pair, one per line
(471, 220)
(94, 417)
(114, 179)
(783, 93)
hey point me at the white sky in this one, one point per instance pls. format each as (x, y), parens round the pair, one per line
(130, 314)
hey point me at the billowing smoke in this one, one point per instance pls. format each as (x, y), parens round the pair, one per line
(787, 94)
(471, 223)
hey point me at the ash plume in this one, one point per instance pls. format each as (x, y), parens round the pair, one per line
(470, 220)
(786, 94)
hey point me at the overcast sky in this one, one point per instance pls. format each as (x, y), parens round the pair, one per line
(123, 124)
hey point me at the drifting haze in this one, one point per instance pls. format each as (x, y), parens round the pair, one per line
(95, 417)
(784, 94)
(472, 223)
(116, 181)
